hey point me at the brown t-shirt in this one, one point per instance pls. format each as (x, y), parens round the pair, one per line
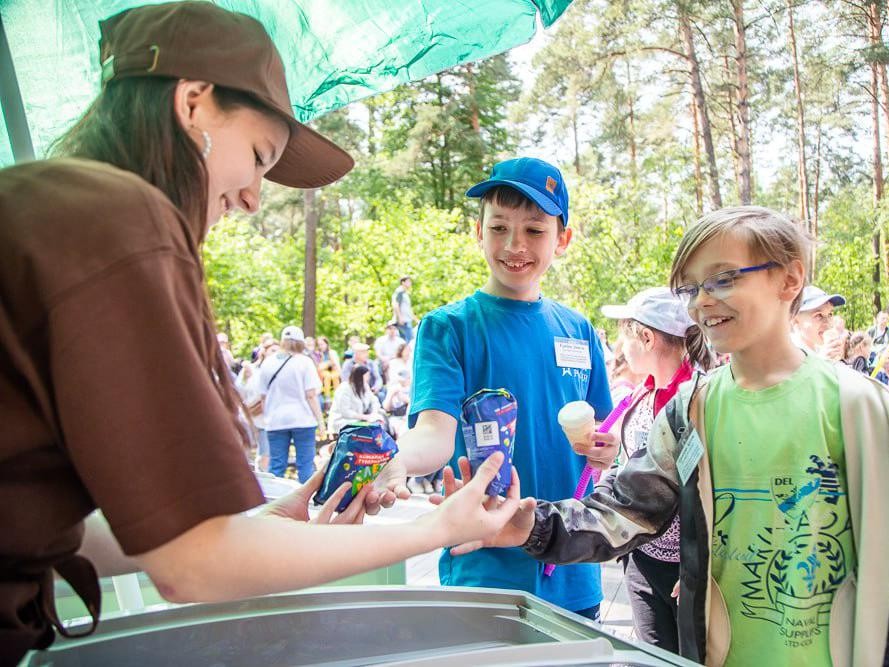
(106, 399)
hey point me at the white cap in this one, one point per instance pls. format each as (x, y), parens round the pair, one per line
(221, 337)
(815, 297)
(576, 414)
(655, 307)
(293, 333)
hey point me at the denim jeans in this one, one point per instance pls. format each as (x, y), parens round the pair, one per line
(406, 331)
(279, 446)
(262, 442)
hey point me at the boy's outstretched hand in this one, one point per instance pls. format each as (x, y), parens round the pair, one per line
(515, 516)
(390, 484)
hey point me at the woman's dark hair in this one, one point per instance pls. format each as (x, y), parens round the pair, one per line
(132, 125)
(356, 379)
(401, 348)
(323, 339)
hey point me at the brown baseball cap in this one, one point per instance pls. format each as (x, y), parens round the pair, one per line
(203, 42)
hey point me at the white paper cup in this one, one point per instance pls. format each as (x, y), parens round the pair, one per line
(578, 421)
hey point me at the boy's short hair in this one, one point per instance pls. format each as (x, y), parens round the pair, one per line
(507, 197)
(770, 236)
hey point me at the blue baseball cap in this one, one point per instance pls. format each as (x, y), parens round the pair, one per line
(539, 181)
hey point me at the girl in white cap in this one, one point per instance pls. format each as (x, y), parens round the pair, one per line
(662, 344)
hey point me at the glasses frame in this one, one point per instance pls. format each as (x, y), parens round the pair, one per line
(690, 291)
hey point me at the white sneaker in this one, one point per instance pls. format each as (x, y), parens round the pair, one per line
(427, 487)
(414, 485)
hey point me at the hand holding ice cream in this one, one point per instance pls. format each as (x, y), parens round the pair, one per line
(578, 421)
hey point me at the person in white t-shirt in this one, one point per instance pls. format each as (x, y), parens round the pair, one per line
(387, 346)
(354, 401)
(401, 362)
(290, 383)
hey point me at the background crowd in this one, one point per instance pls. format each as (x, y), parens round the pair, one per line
(371, 381)
(300, 391)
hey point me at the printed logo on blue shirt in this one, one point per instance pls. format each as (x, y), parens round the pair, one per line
(578, 373)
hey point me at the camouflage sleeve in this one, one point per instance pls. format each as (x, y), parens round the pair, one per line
(631, 506)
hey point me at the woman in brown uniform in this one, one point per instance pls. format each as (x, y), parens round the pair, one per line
(113, 394)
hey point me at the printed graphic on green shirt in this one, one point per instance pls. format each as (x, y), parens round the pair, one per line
(782, 538)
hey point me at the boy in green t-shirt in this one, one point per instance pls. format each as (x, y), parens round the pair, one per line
(777, 464)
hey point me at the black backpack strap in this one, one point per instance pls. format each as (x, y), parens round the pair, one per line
(280, 368)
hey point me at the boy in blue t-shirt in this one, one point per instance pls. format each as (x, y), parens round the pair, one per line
(506, 335)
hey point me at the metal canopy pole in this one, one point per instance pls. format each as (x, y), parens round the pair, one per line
(11, 103)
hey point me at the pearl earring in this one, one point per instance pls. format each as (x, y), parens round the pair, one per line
(208, 144)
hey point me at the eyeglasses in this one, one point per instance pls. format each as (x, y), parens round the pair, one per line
(719, 285)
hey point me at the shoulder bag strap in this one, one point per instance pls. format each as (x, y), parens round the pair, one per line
(280, 368)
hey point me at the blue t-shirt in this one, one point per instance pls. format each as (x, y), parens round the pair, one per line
(536, 350)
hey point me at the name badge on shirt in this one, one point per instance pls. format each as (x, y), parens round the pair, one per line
(572, 353)
(689, 456)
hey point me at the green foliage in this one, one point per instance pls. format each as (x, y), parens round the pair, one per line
(434, 137)
(609, 98)
(845, 258)
(356, 281)
(255, 282)
(617, 249)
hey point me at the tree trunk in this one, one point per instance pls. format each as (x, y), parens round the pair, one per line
(631, 101)
(701, 103)
(733, 138)
(444, 148)
(745, 167)
(310, 274)
(575, 130)
(473, 102)
(874, 25)
(816, 198)
(876, 33)
(371, 107)
(878, 185)
(802, 173)
(699, 179)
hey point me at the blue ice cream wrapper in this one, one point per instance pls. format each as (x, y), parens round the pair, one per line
(361, 452)
(488, 420)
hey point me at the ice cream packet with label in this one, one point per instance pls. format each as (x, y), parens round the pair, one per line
(361, 452)
(488, 420)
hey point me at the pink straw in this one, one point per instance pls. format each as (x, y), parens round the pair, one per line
(590, 472)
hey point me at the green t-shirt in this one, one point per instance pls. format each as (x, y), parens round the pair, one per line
(782, 539)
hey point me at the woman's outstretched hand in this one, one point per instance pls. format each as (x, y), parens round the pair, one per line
(296, 505)
(482, 520)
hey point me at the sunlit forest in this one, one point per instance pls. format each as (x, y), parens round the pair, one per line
(656, 111)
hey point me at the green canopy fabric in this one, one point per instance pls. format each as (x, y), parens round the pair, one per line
(335, 51)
